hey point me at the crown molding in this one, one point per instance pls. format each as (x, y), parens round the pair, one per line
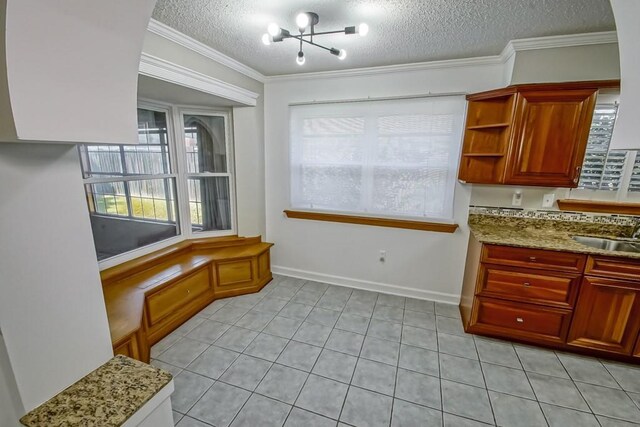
(173, 73)
(385, 69)
(165, 31)
(568, 40)
(509, 50)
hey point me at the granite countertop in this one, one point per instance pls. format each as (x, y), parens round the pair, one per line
(546, 234)
(106, 397)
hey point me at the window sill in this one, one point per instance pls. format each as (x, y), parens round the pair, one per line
(373, 221)
(623, 208)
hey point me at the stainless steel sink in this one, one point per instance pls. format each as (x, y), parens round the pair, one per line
(608, 244)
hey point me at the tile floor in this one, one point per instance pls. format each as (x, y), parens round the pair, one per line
(310, 354)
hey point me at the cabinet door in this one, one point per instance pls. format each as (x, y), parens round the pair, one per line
(550, 137)
(606, 315)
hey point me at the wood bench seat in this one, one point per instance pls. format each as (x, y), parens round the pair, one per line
(150, 296)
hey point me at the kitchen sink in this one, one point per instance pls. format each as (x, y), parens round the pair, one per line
(609, 244)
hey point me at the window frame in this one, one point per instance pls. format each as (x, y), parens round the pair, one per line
(622, 193)
(389, 217)
(178, 172)
(180, 136)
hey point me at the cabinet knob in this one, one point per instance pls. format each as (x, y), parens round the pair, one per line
(532, 259)
(188, 291)
(526, 284)
(519, 320)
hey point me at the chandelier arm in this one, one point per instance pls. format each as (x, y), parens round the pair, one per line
(309, 42)
(289, 35)
(329, 32)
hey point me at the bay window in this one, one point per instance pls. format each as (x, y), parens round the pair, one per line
(142, 195)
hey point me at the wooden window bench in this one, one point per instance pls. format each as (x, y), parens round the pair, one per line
(150, 296)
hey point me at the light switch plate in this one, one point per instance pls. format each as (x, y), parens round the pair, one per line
(548, 199)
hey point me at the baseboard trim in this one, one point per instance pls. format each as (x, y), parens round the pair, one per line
(366, 285)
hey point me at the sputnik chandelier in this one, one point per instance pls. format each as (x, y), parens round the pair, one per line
(306, 23)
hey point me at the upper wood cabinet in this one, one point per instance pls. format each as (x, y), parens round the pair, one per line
(529, 134)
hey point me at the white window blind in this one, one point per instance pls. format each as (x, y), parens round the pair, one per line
(634, 184)
(602, 169)
(391, 157)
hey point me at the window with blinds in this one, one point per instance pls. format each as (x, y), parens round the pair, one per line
(602, 169)
(634, 184)
(392, 157)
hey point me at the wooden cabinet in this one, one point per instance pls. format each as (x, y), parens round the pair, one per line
(149, 297)
(550, 137)
(607, 315)
(528, 134)
(170, 298)
(525, 293)
(519, 284)
(569, 301)
(520, 320)
(533, 258)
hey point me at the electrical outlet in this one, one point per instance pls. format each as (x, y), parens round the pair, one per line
(548, 199)
(516, 200)
(383, 256)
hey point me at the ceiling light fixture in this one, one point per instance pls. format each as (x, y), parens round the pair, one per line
(306, 22)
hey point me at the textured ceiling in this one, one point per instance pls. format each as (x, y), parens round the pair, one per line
(401, 31)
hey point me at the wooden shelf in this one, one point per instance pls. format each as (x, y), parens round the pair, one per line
(483, 155)
(379, 222)
(489, 126)
(621, 208)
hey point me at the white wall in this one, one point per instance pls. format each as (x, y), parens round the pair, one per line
(421, 264)
(566, 64)
(52, 309)
(61, 57)
(248, 129)
(10, 405)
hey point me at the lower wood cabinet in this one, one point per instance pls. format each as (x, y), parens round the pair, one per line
(569, 301)
(149, 297)
(520, 320)
(519, 284)
(607, 316)
(165, 301)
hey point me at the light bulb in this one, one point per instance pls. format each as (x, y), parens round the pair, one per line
(363, 29)
(343, 54)
(300, 59)
(273, 29)
(302, 20)
(266, 39)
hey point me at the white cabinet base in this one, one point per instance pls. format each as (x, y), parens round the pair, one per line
(156, 412)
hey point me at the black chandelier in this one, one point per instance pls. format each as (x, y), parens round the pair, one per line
(307, 21)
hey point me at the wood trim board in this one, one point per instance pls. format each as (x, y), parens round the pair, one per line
(374, 221)
(623, 208)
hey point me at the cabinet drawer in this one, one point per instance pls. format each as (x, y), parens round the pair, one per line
(620, 268)
(533, 258)
(533, 286)
(164, 302)
(519, 320)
